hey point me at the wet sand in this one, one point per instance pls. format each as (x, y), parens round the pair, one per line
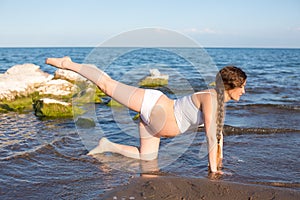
(198, 189)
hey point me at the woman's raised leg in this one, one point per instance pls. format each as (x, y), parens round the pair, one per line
(129, 96)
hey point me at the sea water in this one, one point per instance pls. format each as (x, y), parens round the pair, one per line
(47, 157)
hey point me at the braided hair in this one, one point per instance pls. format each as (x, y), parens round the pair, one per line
(227, 78)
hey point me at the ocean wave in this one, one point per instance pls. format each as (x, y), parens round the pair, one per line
(270, 106)
(53, 148)
(231, 130)
(26, 154)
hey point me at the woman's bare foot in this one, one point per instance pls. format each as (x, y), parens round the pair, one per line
(101, 148)
(59, 62)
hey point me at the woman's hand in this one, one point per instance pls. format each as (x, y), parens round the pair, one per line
(215, 175)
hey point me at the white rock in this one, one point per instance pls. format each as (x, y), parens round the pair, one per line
(68, 75)
(23, 69)
(155, 79)
(155, 73)
(21, 80)
(53, 101)
(57, 87)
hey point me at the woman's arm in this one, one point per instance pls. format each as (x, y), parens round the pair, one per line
(209, 108)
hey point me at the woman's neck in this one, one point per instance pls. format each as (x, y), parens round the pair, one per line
(226, 96)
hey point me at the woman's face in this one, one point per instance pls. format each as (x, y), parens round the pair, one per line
(236, 93)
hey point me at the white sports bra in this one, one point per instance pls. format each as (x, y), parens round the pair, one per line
(187, 115)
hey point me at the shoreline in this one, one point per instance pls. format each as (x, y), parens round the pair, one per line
(167, 187)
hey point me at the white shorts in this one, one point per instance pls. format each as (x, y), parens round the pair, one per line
(150, 98)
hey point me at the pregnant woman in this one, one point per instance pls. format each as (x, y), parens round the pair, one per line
(164, 117)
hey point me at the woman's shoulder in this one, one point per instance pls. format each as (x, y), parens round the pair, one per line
(208, 92)
(205, 97)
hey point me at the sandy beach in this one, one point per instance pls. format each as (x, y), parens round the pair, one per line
(192, 188)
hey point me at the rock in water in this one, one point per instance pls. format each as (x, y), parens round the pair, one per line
(53, 108)
(85, 122)
(69, 76)
(21, 81)
(155, 79)
(58, 88)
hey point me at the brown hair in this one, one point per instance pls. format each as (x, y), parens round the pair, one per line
(227, 78)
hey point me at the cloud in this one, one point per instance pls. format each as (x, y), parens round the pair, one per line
(149, 37)
(293, 29)
(200, 31)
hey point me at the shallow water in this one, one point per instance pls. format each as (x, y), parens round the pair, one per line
(46, 157)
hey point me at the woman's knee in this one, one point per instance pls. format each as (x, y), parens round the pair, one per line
(149, 156)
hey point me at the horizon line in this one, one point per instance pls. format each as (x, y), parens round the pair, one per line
(216, 47)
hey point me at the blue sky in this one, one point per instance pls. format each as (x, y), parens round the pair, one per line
(212, 23)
